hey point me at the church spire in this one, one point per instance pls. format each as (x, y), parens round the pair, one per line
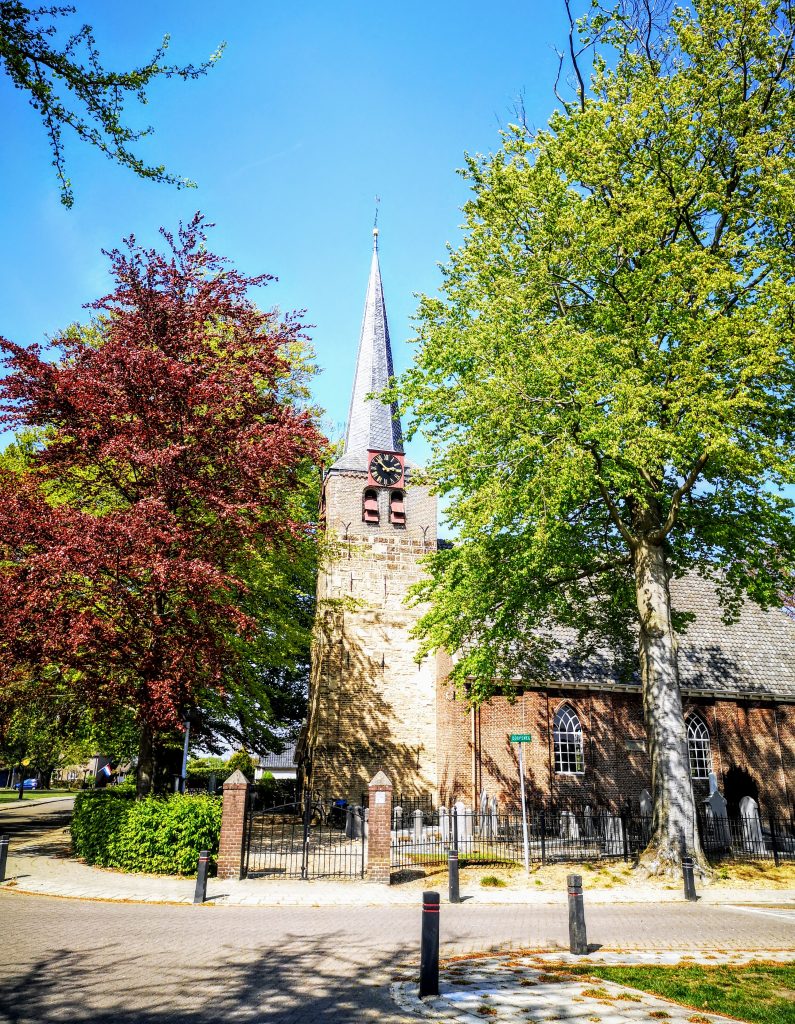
(372, 425)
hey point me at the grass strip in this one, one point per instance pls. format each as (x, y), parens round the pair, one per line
(761, 993)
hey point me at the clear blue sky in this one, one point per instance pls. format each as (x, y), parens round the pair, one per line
(313, 110)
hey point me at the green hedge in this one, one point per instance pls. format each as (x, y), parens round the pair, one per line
(161, 835)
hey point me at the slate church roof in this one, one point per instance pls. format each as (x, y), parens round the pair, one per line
(753, 657)
(372, 425)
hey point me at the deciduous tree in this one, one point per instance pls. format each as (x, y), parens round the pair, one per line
(172, 447)
(68, 85)
(607, 378)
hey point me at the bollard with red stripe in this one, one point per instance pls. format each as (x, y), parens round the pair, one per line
(200, 894)
(429, 948)
(578, 941)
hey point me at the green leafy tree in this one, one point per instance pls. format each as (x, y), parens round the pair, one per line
(607, 378)
(241, 761)
(68, 85)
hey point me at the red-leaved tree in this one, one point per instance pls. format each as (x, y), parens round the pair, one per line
(167, 439)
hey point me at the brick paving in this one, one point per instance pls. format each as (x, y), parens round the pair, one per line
(107, 963)
(507, 991)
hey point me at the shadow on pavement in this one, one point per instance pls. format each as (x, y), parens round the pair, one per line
(306, 979)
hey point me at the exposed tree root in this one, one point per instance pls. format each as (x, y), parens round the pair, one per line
(662, 859)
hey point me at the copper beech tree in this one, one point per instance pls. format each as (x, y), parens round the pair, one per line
(168, 439)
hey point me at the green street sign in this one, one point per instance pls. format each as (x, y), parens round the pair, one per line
(521, 737)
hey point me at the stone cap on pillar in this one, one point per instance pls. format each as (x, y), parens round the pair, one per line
(237, 778)
(380, 781)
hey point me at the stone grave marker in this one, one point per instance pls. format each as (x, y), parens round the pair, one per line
(418, 826)
(444, 825)
(753, 841)
(568, 825)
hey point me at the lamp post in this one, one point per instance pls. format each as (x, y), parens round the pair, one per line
(184, 773)
(22, 766)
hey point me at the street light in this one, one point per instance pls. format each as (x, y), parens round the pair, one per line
(22, 766)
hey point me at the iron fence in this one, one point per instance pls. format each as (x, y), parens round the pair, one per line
(305, 840)
(564, 835)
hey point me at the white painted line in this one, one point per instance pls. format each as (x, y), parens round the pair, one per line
(786, 915)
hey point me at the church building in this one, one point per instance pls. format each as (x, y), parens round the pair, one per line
(373, 707)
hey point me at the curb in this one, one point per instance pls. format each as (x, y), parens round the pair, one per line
(23, 803)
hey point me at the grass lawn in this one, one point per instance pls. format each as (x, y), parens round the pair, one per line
(762, 993)
(8, 796)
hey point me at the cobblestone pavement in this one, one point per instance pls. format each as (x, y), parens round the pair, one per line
(507, 991)
(107, 963)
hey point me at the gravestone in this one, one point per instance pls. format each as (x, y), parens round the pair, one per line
(718, 816)
(753, 841)
(568, 825)
(493, 818)
(464, 822)
(483, 816)
(587, 822)
(444, 825)
(397, 818)
(418, 826)
(614, 834)
(646, 804)
(353, 822)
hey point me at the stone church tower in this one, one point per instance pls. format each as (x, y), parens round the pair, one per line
(371, 706)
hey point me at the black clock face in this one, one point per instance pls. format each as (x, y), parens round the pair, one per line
(385, 469)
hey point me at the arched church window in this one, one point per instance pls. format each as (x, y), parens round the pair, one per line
(698, 747)
(370, 506)
(567, 736)
(397, 508)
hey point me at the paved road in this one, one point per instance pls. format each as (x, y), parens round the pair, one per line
(29, 821)
(105, 963)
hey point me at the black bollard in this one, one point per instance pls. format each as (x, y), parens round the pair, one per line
(3, 857)
(429, 947)
(452, 876)
(201, 877)
(690, 882)
(578, 941)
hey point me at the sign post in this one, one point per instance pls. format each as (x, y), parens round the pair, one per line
(521, 738)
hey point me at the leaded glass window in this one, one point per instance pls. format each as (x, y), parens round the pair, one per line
(567, 734)
(698, 747)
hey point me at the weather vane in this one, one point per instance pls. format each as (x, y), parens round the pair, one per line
(377, 201)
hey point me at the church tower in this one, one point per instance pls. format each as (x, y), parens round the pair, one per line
(371, 706)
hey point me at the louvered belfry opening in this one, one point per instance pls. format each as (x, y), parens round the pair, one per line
(370, 506)
(397, 509)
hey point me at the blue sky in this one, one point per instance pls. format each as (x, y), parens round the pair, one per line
(312, 111)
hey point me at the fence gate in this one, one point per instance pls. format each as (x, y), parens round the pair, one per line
(307, 839)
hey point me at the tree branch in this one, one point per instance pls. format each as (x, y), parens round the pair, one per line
(659, 535)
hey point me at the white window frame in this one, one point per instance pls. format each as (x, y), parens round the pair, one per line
(567, 740)
(699, 747)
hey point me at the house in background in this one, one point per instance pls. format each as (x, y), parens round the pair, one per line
(281, 766)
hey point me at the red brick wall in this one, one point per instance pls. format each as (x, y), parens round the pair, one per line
(475, 752)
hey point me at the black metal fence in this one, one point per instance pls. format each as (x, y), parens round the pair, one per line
(306, 840)
(423, 838)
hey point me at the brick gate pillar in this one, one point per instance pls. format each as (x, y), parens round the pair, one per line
(232, 845)
(379, 829)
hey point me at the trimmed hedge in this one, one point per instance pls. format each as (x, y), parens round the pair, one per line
(159, 835)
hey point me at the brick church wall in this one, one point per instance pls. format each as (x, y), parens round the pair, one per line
(475, 753)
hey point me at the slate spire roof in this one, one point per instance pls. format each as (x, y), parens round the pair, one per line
(372, 425)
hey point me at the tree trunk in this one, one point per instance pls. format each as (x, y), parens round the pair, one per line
(675, 831)
(146, 762)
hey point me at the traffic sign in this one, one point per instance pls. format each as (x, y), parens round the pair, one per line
(521, 737)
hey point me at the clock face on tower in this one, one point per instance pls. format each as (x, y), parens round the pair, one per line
(386, 469)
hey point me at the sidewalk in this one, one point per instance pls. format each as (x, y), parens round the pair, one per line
(44, 867)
